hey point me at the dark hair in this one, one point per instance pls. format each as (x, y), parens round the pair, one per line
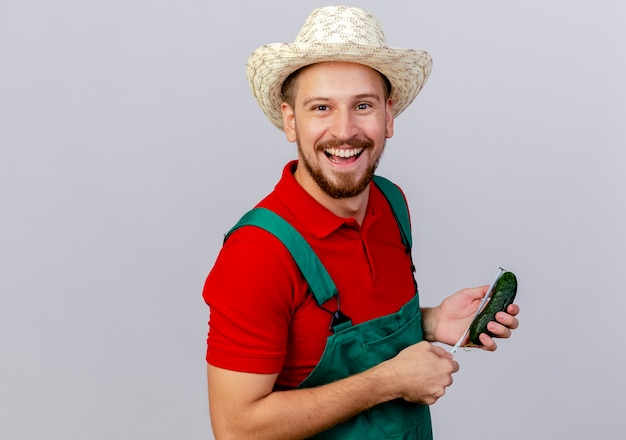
(288, 92)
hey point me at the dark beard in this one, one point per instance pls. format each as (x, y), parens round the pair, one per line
(346, 187)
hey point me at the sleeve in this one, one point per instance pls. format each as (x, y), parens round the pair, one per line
(250, 294)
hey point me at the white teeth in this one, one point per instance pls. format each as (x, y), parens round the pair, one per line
(343, 153)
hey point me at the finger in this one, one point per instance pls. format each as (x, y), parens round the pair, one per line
(507, 320)
(499, 330)
(487, 342)
(513, 309)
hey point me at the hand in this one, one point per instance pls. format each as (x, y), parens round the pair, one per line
(422, 372)
(456, 312)
(502, 327)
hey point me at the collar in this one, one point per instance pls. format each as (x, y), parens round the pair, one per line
(313, 216)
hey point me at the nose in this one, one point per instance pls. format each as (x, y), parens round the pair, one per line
(344, 125)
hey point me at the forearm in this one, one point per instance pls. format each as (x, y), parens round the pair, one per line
(297, 414)
(302, 413)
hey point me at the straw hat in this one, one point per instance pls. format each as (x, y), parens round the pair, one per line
(336, 33)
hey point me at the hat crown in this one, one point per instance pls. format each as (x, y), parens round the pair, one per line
(336, 34)
(341, 25)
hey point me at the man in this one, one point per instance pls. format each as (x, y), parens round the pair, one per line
(315, 322)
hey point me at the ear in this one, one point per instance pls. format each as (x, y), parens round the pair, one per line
(389, 119)
(289, 121)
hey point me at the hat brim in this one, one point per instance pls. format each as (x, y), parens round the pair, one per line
(269, 66)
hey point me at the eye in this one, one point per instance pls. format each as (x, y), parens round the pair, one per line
(321, 108)
(363, 106)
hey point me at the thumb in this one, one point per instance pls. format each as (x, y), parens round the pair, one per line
(441, 352)
(477, 292)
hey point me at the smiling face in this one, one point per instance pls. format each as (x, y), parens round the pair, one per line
(340, 117)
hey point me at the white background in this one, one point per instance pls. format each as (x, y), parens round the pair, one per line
(130, 142)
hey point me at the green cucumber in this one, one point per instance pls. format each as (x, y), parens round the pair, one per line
(503, 294)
